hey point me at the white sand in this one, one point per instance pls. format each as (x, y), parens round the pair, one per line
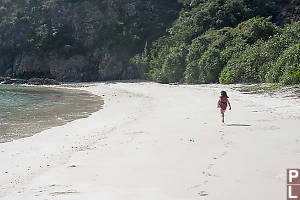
(159, 142)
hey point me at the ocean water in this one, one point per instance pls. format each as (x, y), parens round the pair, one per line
(25, 111)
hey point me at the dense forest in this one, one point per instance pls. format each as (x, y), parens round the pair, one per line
(79, 40)
(193, 41)
(228, 42)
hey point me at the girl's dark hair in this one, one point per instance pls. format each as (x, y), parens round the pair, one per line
(224, 94)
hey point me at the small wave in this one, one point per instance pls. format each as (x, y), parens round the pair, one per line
(25, 111)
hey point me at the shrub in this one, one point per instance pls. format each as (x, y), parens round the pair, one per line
(232, 49)
(245, 65)
(210, 65)
(198, 46)
(257, 28)
(216, 35)
(226, 76)
(291, 75)
(158, 76)
(248, 66)
(288, 62)
(286, 69)
(191, 74)
(257, 62)
(142, 63)
(195, 51)
(174, 64)
(168, 65)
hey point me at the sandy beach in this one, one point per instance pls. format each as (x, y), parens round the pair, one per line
(159, 142)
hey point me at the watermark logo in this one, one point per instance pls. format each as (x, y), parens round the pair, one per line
(293, 184)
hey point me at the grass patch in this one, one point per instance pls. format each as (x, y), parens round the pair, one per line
(266, 88)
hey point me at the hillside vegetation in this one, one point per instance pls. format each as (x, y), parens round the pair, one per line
(79, 40)
(195, 41)
(227, 41)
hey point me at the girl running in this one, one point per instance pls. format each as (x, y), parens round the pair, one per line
(222, 104)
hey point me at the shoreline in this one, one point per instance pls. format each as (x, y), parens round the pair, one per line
(48, 107)
(153, 141)
(26, 158)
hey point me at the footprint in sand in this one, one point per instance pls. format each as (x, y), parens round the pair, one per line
(224, 153)
(63, 193)
(54, 190)
(228, 143)
(195, 186)
(72, 166)
(203, 193)
(208, 174)
(210, 166)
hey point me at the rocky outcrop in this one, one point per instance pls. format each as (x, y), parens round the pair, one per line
(32, 81)
(42, 81)
(111, 68)
(78, 40)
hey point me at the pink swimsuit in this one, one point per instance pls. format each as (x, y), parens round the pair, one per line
(223, 103)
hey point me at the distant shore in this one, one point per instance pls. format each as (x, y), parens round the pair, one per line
(164, 142)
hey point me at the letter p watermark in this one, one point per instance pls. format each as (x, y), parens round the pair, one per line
(293, 184)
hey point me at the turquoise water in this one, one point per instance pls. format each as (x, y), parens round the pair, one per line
(25, 111)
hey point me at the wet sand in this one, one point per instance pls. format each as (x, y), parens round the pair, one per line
(56, 107)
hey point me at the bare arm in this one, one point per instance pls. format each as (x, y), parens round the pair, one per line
(229, 104)
(218, 104)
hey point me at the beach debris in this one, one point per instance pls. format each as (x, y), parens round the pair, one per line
(191, 140)
(72, 166)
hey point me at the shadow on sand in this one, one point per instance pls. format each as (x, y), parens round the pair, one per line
(244, 125)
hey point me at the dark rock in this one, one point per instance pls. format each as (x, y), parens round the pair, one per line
(28, 64)
(42, 81)
(110, 68)
(8, 72)
(73, 68)
(20, 81)
(7, 81)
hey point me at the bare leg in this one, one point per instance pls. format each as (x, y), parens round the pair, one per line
(222, 114)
